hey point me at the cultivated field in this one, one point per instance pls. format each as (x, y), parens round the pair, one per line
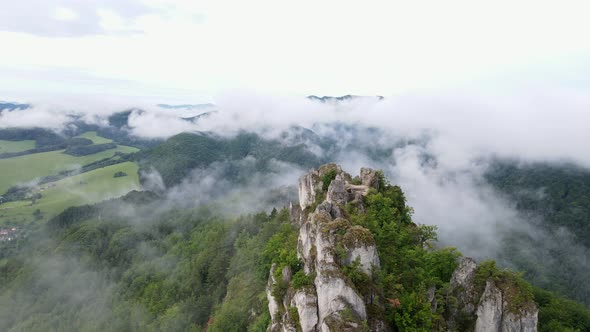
(18, 146)
(85, 188)
(91, 135)
(30, 167)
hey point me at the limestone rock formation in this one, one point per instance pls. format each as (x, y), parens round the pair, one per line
(327, 242)
(311, 183)
(463, 282)
(494, 313)
(493, 310)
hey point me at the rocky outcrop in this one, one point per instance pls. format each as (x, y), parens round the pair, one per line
(525, 323)
(494, 313)
(311, 183)
(490, 311)
(493, 310)
(327, 242)
(369, 178)
(336, 191)
(306, 302)
(340, 190)
(273, 305)
(281, 321)
(462, 283)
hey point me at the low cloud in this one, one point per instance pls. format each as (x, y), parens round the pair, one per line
(437, 147)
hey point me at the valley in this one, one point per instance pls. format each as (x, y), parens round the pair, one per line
(52, 181)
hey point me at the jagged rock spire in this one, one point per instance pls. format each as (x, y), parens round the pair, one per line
(330, 303)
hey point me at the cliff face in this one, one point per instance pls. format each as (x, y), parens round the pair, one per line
(495, 309)
(329, 245)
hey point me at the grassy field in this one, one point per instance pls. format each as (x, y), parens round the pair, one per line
(18, 146)
(85, 188)
(30, 167)
(91, 135)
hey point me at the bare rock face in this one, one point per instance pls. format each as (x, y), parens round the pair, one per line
(308, 185)
(464, 274)
(281, 321)
(360, 245)
(462, 279)
(294, 213)
(311, 183)
(369, 177)
(492, 310)
(336, 191)
(273, 306)
(525, 322)
(306, 302)
(317, 243)
(327, 241)
(494, 313)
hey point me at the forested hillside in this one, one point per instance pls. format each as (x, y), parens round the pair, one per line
(136, 264)
(556, 198)
(560, 194)
(175, 158)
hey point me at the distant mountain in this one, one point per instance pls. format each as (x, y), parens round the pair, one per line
(194, 119)
(187, 106)
(326, 99)
(10, 106)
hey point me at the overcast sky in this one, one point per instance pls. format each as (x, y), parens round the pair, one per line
(190, 51)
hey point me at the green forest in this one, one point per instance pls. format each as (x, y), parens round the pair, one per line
(118, 266)
(556, 200)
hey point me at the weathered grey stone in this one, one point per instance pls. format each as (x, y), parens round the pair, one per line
(287, 274)
(493, 313)
(334, 210)
(463, 287)
(336, 191)
(295, 213)
(464, 274)
(308, 185)
(311, 183)
(363, 248)
(369, 178)
(307, 307)
(273, 304)
(528, 320)
(490, 309)
(360, 189)
(334, 295)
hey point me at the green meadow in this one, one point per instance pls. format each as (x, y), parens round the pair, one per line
(18, 146)
(85, 188)
(91, 135)
(30, 167)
